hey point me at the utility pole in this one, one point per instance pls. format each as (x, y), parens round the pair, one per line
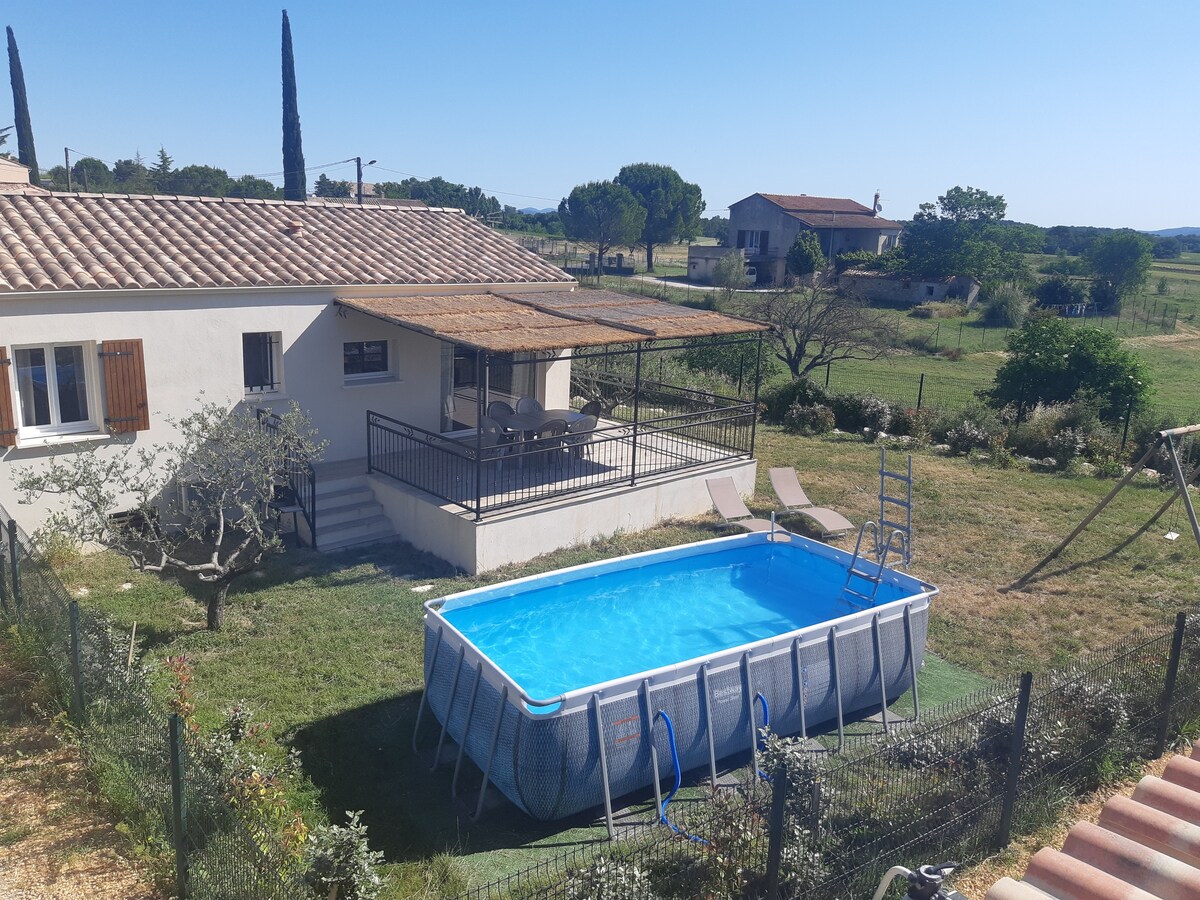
(67, 160)
(358, 164)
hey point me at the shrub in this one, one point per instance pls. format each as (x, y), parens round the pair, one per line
(916, 423)
(1059, 290)
(1067, 446)
(808, 419)
(777, 400)
(1005, 306)
(855, 412)
(339, 858)
(967, 436)
(609, 879)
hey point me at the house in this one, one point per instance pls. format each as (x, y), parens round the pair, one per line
(901, 289)
(393, 327)
(764, 226)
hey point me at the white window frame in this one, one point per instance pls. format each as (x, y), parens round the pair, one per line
(387, 374)
(92, 388)
(752, 239)
(276, 338)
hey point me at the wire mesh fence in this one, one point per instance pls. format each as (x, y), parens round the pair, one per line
(959, 783)
(127, 741)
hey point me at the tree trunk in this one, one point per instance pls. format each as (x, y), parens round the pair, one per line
(649, 256)
(216, 607)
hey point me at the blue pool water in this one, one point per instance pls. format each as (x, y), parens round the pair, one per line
(561, 637)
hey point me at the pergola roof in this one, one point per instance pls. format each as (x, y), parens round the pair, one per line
(547, 320)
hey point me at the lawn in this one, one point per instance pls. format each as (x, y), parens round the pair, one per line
(328, 647)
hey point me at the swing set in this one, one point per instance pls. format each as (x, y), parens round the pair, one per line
(1184, 475)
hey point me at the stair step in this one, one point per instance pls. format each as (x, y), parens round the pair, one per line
(329, 516)
(344, 495)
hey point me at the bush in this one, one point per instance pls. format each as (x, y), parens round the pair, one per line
(1005, 306)
(340, 858)
(854, 412)
(915, 423)
(609, 879)
(775, 402)
(967, 436)
(808, 419)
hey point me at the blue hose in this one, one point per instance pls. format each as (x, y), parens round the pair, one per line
(766, 724)
(662, 811)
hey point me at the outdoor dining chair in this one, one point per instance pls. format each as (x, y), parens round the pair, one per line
(579, 435)
(529, 405)
(498, 409)
(546, 438)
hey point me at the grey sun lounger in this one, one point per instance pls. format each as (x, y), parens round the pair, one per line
(732, 509)
(791, 495)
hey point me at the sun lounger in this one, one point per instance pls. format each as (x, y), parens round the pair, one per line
(791, 495)
(732, 509)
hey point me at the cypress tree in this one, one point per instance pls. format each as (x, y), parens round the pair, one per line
(294, 185)
(25, 151)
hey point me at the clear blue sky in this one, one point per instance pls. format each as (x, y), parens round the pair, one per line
(1078, 113)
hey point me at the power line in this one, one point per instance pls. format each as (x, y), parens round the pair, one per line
(486, 190)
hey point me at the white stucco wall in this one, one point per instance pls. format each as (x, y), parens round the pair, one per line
(192, 343)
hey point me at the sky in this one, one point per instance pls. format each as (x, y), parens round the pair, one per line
(1079, 113)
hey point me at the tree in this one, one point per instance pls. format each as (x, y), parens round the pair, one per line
(1059, 290)
(131, 176)
(729, 274)
(213, 532)
(26, 154)
(811, 326)
(161, 172)
(673, 206)
(958, 236)
(1052, 361)
(200, 181)
(254, 188)
(92, 175)
(295, 187)
(1121, 260)
(804, 257)
(604, 214)
(326, 187)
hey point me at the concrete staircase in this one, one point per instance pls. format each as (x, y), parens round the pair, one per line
(347, 512)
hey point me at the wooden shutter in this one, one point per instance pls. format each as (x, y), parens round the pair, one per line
(762, 242)
(741, 239)
(125, 405)
(8, 425)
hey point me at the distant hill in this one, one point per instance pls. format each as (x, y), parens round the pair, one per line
(1165, 232)
(530, 211)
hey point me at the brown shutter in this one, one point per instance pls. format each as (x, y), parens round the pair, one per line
(741, 238)
(762, 242)
(8, 426)
(125, 405)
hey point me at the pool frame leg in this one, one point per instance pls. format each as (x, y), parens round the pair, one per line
(487, 772)
(837, 685)
(421, 706)
(800, 687)
(598, 720)
(437, 755)
(462, 747)
(877, 639)
(748, 682)
(650, 719)
(912, 659)
(712, 747)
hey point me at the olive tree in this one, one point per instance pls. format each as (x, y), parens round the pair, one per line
(198, 507)
(729, 274)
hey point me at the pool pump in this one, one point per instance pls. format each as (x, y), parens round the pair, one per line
(927, 883)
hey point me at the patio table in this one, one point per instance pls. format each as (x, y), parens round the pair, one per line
(532, 423)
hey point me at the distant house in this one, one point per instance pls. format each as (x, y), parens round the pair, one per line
(395, 327)
(901, 289)
(764, 226)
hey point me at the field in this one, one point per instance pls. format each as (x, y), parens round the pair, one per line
(328, 647)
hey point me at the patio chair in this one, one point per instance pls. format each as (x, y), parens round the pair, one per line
(492, 435)
(579, 435)
(732, 509)
(548, 446)
(498, 409)
(530, 405)
(592, 408)
(787, 488)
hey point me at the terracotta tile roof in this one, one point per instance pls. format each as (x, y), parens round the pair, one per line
(1145, 846)
(547, 320)
(845, 221)
(65, 242)
(805, 203)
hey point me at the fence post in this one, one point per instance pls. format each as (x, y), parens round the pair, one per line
(15, 565)
(1125, 430)
(827, 365)
(178, 805)
(920, 390)
(76, 660)
(779, 791)
(3, 581)
(1168, 696)
(1016, 757)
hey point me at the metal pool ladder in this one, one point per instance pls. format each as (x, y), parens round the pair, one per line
(876, 577)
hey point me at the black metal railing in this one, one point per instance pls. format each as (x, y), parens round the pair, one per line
(485, 479)
(299, 475)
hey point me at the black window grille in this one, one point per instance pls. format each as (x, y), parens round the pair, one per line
(365, 357)
(259, 354)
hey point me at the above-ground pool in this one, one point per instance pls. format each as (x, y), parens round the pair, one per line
(553, 684)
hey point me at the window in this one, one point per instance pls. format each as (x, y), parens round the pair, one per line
(261, 366)
(365, 359)
(55, 389)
